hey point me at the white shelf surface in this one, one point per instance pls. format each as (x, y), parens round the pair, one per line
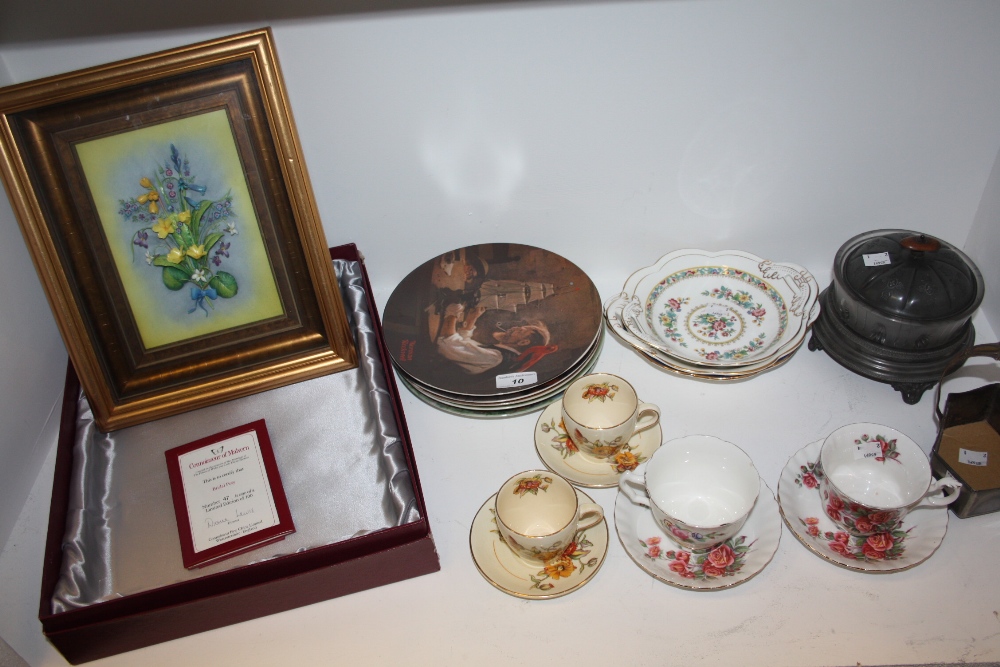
(800, 610)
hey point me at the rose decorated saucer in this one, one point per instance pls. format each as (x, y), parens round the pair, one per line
(517, 577)
(802, 508)
(729, 564)
(561, 456)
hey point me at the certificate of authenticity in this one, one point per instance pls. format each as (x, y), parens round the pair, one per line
(227, 495)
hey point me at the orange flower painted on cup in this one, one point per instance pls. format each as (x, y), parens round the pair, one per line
(532, 485)
(600, 392)
(625, 461)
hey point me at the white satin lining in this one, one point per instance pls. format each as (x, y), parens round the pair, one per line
(338, 452)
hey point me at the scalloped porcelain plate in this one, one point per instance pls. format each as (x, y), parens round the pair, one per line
(516, 576)
(802, 509)
(718, 309)
(730, 564)
(613, 315)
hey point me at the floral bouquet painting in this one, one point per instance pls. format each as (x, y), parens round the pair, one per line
(184, 235)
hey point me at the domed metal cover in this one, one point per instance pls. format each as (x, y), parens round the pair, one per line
(910, 275)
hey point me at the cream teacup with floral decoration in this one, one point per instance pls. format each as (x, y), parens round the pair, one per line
(539, 514)
(700, 490)
(601, 413)
(871, 476)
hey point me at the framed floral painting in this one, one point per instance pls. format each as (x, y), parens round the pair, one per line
(168, 212)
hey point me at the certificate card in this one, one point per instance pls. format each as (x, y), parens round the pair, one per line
(227, 494)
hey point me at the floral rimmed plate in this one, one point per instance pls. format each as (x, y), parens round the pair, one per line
(560, 455)
(802, 508)
(613, 315)
(719, 309)
(515, 576)
(729, 564)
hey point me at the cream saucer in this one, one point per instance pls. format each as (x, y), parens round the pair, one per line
(730, 564)
(802, 508)
(498, 564)
(560, 455)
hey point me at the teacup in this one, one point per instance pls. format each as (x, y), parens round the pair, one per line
(601, 413)
(700, 490)
(539, 515)
(871, 476)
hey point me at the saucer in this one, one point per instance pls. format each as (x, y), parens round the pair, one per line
(730, 564)
(560, 455)
(515, 576)
(798, 495)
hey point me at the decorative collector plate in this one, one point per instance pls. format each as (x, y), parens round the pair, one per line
(465, 321)
(915, 541)
(730, 564)
(516, 576)
(560, 455)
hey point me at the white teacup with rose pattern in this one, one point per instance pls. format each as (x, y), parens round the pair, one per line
(871, 476)
(700, 490)
(539, 514)
(601, 413)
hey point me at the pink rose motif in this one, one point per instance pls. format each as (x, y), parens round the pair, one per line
(839, 547)
(654, 552)
(718, 325)
(680, 534)
(721, 556)
(653, 540)
(758, 312)
(674, 304)
(841, 537)
(712, 571)
(835, 502)
(863, 524)
(712, 356)
(880, 541)
(683, 556)
(813, 530)
(809, 480)
(872, 553)
(679, 567)
(879, 518)
(833, 512)
(812, 521)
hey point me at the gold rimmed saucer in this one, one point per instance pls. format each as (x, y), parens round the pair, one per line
(515, 576)
(559, 455)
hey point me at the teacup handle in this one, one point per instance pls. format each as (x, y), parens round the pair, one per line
(628, 484)
(591, 514)
(946, 482)
(649, 416)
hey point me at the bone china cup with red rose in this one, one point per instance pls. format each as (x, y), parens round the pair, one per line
(601, 413)
(870, 476)
(700, 490)
(539, 515)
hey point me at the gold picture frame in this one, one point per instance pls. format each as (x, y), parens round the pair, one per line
(168, 212)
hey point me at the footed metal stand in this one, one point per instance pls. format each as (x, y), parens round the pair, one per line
(910, 372)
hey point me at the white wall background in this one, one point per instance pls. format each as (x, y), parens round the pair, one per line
(610, 133)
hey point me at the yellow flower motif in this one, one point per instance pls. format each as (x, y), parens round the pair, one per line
(175, 255)
(184, 216)
(560, 569)
(196, 251)
(164, 227)
(152, 198)
(145, 182)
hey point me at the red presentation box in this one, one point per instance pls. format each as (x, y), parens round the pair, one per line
(216, 600)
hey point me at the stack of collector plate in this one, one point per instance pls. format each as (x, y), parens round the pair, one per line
(493, 330)
(716, 316)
